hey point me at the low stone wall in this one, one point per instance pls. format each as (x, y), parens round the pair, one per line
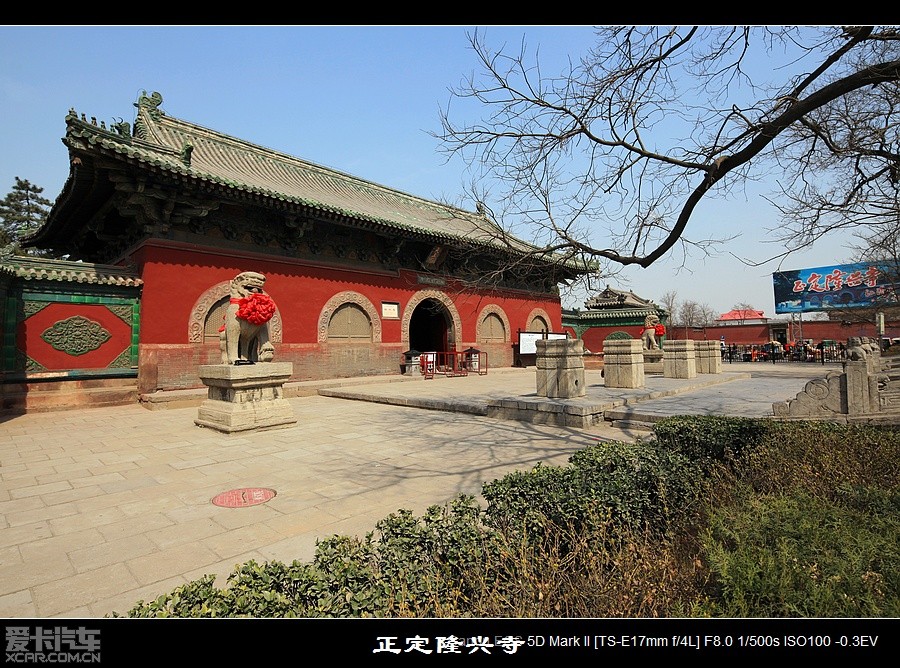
(866, 390)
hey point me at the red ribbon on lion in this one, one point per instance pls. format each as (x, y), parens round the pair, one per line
(660, 330)
(257, 308)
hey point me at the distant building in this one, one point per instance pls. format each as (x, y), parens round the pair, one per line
(619, 314)
(742, 317)
(611, 312)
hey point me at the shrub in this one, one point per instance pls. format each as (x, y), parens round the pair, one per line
(707, 439)
(819, 458)
(429, 561)
(609, 572)
(636, 484)
(644, 485)
(800, 556)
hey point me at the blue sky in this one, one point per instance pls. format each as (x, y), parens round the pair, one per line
(360, 99)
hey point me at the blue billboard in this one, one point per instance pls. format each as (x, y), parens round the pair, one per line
(836, 286)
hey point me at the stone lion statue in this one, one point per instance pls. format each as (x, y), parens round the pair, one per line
(870, 345)
(244, 336)
(648, 336)
(855, 349)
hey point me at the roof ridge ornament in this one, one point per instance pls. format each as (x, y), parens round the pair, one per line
(149, 105)
(121, 127)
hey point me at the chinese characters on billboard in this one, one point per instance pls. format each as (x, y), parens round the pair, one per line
(837, 286)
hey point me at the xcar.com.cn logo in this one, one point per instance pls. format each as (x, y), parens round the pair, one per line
(56, 644)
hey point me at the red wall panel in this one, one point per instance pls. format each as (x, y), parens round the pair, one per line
(29, 340)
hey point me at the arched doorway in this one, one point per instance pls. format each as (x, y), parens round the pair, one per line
(430, 327)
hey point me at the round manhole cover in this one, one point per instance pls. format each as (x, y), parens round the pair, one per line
(244, 497)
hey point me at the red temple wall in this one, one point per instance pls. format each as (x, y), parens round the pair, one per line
(756, 334)
(175, 278)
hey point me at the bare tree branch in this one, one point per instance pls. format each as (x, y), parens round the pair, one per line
(610, 159)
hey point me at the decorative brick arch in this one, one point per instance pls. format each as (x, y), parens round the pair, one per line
(348, 297)
(540, 312)
(208, 299)
(417, 299)
(500, 313)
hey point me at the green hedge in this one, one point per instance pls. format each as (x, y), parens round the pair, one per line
(639, 485)
(707, 439)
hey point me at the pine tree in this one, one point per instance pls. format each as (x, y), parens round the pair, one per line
(22, 212)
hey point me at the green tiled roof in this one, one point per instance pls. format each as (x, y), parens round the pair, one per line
(611, 298)
(182, 148)
(45, 269)
(610, 314)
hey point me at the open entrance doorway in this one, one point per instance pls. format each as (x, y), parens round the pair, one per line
(430, 327)
(779, 334)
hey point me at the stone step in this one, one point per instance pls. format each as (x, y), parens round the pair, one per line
(164, 399)
(628, 418)
(632, 425)
(67, 395)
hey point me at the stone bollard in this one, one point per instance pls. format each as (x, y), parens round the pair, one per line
(560, 368)
(859, 400)
(709, 359)
(679, 360)
(623, 363)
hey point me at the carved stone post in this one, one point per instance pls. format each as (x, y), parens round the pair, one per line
(709, 360)
(857, 373)
(560, 368)
(715, 356)
(679, 359)
(623, 363)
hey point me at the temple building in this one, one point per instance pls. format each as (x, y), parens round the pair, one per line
(158, 218)
(610, 313)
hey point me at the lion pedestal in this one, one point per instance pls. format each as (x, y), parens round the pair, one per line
(246, 391)
(653, 361)
(245, 397)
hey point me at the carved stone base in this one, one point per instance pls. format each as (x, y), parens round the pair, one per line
(653, 361)
(245, 398)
